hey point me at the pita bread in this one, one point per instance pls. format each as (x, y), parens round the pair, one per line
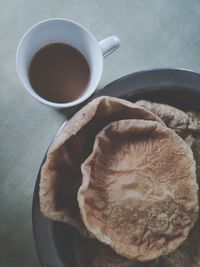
(173, 118)
(195, 146)
(61, 173)
(139, 192)
(188, 254)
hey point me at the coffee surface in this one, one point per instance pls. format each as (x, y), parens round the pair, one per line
(59, 73)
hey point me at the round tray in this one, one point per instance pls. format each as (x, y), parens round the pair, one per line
(180, 88)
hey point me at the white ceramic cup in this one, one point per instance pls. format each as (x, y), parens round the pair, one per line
(69, 32)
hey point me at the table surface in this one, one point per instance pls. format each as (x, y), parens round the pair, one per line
(156, 33)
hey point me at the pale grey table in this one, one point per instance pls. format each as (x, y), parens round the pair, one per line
(153, 33)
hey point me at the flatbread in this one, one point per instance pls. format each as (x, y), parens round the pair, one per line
(139, 192)
(194, 144)
(61, 173)
(187, 125)
(188, 254)
(173, 118)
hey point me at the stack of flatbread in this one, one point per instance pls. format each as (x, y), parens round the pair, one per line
(126, 176)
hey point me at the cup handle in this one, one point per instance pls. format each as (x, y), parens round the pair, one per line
(109, 45)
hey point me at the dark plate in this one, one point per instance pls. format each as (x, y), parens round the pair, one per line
(180, 88)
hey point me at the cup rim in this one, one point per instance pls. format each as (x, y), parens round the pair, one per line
(31, 91)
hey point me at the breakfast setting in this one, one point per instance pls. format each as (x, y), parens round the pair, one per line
(100, 133)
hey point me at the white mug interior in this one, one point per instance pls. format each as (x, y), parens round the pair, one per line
(60, 31)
